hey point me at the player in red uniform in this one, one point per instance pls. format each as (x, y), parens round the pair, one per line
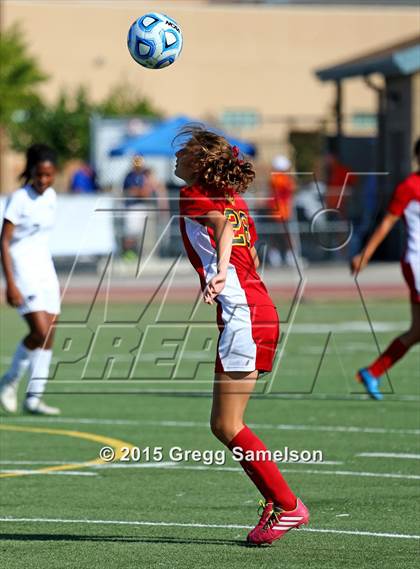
(405, 203)
(219, 237)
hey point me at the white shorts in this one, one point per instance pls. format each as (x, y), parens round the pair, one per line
(40, 296)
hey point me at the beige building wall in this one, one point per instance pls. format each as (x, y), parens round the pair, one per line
(259, 58)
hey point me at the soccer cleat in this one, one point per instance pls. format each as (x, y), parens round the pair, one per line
(370, 382)
(264, 511)
(275, 523)
(8, 396)
(40, 408)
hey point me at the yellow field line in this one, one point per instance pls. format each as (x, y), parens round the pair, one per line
(116, 444)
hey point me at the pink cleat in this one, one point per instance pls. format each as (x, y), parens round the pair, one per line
(265, 509)
(275, 523)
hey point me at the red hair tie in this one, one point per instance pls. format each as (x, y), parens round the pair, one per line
(235, 152)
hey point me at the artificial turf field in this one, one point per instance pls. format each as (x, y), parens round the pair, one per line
(364, 509)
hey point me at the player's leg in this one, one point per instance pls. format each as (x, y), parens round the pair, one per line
(9, 383)
(412, 336)
(394, 352)
(230, 397)
(40, 342)
(38, 323)
(399, 346)
(231, 393)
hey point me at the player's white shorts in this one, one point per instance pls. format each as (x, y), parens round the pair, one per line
(40, 295)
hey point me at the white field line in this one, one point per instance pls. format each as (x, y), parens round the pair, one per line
(40, 462)
(147, 357)
(138, 385)
(315, 329)
(199, 424)
(177, 465)
(310, 351)
(198, 525)
(348, 347)
(35, 472)
(403, 455)
(135, 464)
(326, 396)
(207, 357)
(287, 396)
(361, 326)
(202, 467)
(354, 473)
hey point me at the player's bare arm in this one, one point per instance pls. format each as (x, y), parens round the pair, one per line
(359, 262)
(13, 295)
(223, 235)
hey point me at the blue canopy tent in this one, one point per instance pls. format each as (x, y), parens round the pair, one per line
(159, 141)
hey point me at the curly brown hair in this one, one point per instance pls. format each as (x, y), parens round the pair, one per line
(217, 164)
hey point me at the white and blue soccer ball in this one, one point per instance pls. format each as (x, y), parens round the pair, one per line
(154, 40)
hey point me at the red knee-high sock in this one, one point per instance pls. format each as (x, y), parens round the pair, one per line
(390, 356)
(263, 473)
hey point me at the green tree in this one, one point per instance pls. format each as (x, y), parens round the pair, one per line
(20, 76)
(63, 124)
(308, 146)
(123, 100)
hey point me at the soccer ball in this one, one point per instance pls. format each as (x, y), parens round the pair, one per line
(154, 40)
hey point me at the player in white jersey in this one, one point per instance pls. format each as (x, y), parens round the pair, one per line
(31, 280)
(405, 204)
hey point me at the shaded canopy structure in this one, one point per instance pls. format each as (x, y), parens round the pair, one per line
(402, 58)
(160, 140)
(398, 93)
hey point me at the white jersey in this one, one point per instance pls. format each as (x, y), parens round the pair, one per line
(405, 203)
(33, 216)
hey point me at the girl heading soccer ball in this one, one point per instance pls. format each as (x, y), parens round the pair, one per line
(219, 237)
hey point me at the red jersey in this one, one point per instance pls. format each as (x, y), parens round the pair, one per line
(339, 175)
(201, 247)
(246, 315)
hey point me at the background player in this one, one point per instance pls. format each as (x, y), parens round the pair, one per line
(31, 280)
(219, 237)
(282, 187)
(404, 203)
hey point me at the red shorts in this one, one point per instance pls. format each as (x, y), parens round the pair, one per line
(409, 277)
(248, 338)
